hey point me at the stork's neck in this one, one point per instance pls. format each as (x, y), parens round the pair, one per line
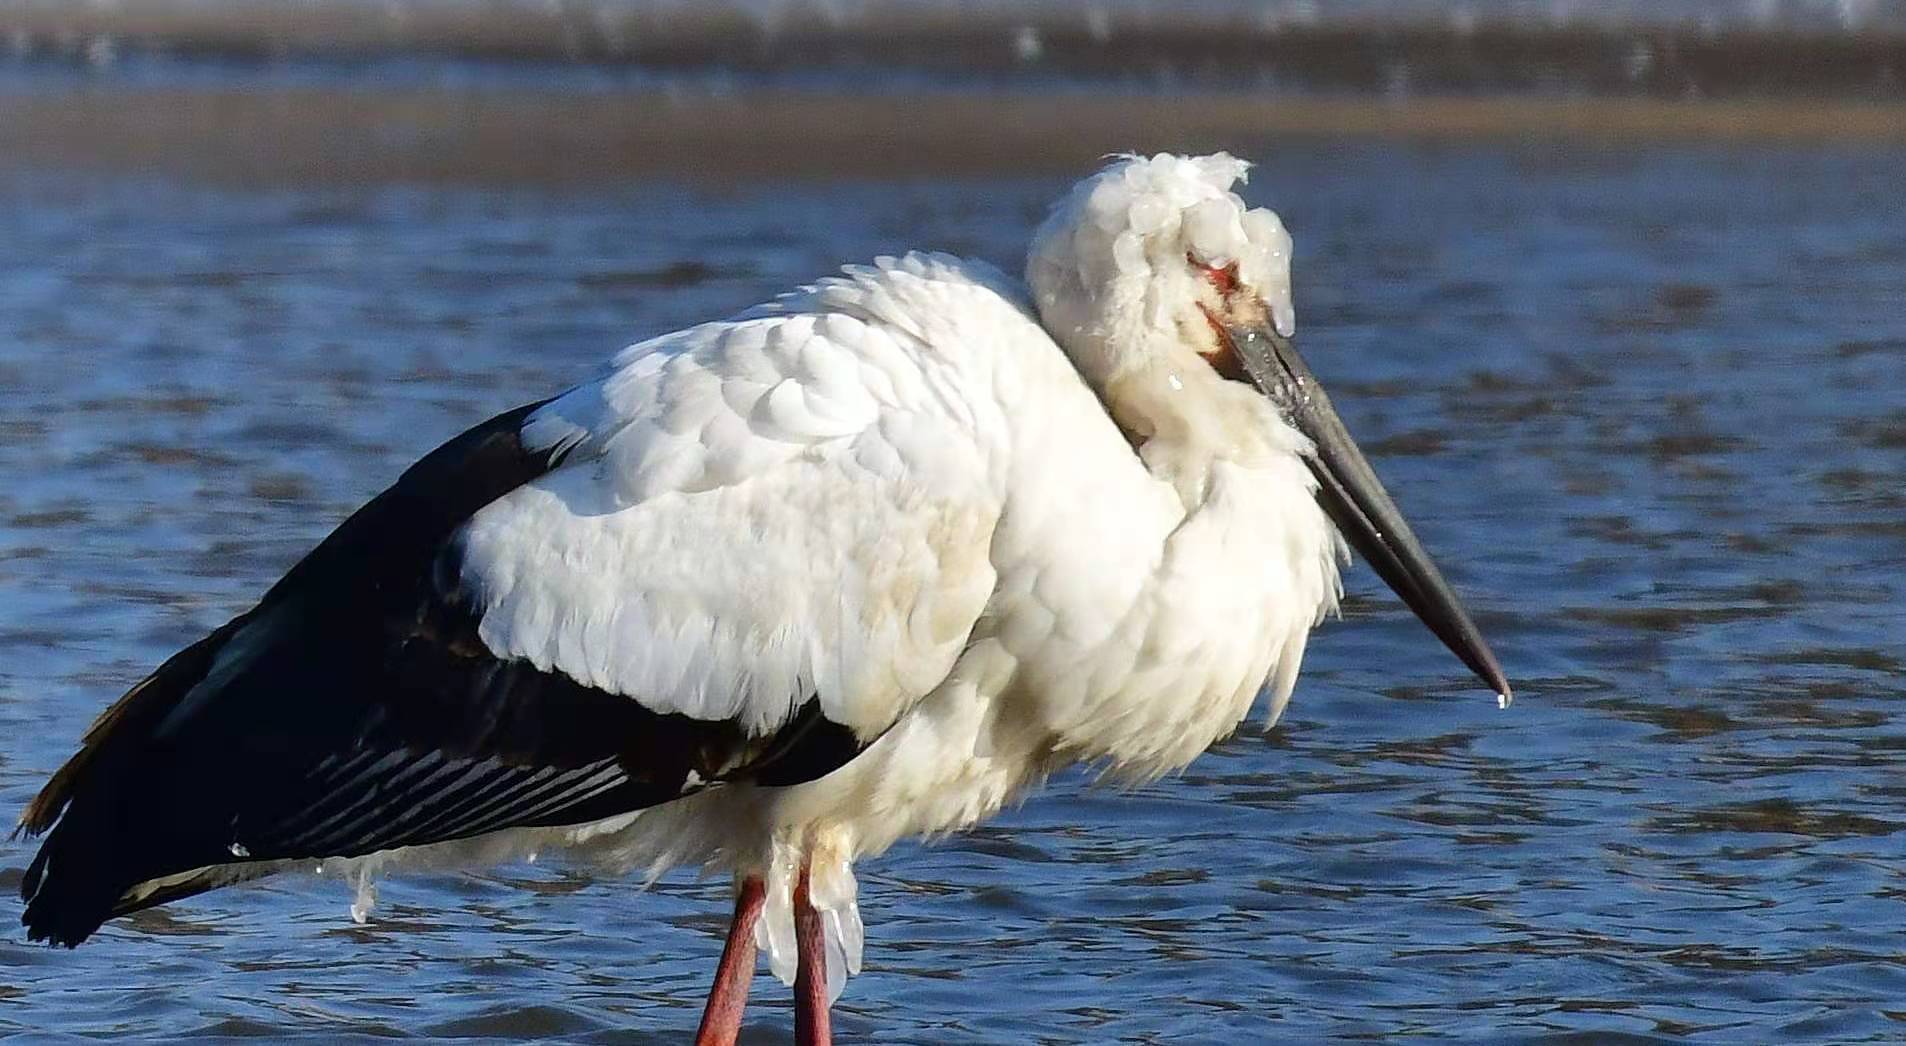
(1196, 576)
(1183, 419)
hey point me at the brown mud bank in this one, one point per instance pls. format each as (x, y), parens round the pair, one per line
(343, 135)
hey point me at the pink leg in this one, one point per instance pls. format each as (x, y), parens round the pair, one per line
(810, 979)
(721, 1021)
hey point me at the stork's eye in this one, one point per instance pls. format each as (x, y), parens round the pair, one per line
(1223, 277)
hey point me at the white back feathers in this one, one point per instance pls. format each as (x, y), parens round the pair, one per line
(755, 513)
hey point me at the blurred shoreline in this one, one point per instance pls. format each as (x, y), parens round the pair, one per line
(1648, 48)
(355, 135)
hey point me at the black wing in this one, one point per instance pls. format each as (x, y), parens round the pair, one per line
(355, 710)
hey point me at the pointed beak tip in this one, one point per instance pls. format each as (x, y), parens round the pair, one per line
(1353, 497)
(1497, 680)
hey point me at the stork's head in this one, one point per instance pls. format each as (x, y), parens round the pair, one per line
(1142, 265)
(1173, 299)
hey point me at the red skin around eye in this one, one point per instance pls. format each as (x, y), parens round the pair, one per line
(1225, 278)
(1223, 358)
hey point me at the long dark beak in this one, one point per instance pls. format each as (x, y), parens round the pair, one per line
(1349, 491)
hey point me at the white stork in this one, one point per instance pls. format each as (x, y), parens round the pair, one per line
(775, 592)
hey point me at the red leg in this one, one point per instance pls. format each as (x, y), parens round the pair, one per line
(721, 1021)
(810, 979)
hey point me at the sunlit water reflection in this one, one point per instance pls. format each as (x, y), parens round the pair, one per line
(1645, 406)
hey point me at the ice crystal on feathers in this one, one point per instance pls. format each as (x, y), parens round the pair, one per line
(366, 898)
(833, 891)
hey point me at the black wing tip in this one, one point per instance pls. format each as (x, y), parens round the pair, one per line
(66, 909)
(64, 921)
(68, 935)
(60, 910)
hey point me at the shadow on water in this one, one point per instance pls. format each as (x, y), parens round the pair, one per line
(1644, 405)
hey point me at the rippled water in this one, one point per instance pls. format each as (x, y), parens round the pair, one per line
(1647, 407)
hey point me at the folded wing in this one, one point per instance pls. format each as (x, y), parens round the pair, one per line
(741, 554)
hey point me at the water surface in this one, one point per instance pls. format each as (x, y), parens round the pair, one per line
(1645, 405)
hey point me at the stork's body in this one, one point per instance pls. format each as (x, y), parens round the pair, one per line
(774, 593)
(1028, 627)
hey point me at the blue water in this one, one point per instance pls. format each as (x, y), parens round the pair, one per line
(1646, 406)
